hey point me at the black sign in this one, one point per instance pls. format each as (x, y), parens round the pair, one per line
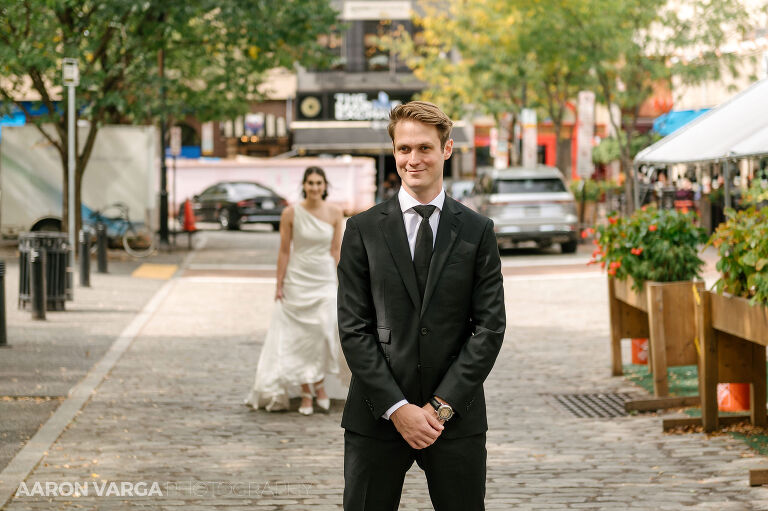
(349, 106)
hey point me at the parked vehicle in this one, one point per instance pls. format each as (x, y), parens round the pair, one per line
(122, 168)
(528, 204)
(352, 179)
(459, 189)
(233, 203)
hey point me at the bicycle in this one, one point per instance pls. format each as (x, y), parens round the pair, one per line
(138, 241)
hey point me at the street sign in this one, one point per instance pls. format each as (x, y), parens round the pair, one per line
(70, 73)
(175, 140)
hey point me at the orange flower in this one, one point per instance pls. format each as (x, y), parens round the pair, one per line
(653, 227)
(602, 264)
(684, 210)
(612, 272)
(612, 219)
(584, 234)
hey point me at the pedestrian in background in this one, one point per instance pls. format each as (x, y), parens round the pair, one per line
(302, 344)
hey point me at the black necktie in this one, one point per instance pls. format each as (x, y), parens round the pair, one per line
(422, 253)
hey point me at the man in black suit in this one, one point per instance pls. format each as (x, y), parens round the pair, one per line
(421, 319)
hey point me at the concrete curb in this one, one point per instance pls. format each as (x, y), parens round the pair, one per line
(33, 451)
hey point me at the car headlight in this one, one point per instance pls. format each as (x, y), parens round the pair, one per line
(570, 218)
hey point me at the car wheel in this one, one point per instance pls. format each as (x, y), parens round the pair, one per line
(568, 247)
(226, 221)
(275, 226)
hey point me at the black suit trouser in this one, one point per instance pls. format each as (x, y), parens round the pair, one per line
(374, 471)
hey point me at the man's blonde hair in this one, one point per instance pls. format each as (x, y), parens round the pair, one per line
(421, 111)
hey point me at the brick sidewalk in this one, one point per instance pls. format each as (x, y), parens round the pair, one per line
(171, 412)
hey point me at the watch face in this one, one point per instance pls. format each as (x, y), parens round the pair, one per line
(445, 413)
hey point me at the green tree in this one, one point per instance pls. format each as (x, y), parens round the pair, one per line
(468, 53)
(497, 56)
(634, 45)
(556, 69)
(212, 53)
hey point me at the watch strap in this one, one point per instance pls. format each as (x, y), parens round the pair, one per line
(435, 403)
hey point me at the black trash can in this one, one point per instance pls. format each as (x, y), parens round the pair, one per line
(56, 247)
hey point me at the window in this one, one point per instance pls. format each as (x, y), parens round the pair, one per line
(546, 185)
(334, 43)
(376, 58)
(242, 191)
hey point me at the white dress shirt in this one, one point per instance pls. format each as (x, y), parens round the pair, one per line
(412, 221)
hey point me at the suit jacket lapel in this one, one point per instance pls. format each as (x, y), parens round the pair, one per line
(393, 227)
(447, 231)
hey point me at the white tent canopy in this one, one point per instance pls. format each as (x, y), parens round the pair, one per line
(738, 128)
(756, 145)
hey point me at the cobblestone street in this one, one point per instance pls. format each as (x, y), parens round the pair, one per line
(170, 411)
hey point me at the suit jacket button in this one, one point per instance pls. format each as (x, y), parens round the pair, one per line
(424, 331)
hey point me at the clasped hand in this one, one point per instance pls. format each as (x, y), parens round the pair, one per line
(419, 426)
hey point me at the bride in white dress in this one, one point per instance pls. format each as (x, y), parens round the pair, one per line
(302, 346)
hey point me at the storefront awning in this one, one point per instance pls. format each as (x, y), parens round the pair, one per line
(354, 136)
(671, 121)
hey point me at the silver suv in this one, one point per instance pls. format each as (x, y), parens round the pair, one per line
(527, 204)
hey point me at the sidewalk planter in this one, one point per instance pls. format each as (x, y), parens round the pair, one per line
(652, 260)
(664, 313)
(734, 335)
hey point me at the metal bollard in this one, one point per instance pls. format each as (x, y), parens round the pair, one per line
(3, 331)
(85, 258)
(37, 283)
(101, 247)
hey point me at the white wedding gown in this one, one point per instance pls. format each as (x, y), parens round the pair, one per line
(302, 344)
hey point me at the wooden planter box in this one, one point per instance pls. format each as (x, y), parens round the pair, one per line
(663, 312)
(734, 335)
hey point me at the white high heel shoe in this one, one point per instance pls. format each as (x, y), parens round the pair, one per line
(324, 403)
(306, 410)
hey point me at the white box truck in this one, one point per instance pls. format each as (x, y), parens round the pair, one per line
(123, 167)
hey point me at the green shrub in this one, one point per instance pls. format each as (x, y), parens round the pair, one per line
(592, 190)
(742, 243)
(652, 244)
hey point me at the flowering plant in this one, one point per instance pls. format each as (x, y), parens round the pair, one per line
(742, 243)
(652, 244)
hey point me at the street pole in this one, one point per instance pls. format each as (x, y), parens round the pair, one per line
(71, 78)
(163, 166)
(727, 183)
(71, 172)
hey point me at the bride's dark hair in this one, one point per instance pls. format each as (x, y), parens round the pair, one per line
(320, 172)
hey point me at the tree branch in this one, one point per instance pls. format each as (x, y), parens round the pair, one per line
(39, 84)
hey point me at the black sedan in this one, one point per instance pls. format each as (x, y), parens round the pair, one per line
(233, 203)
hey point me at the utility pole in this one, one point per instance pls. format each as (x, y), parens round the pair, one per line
(71, 79)
(163, 167)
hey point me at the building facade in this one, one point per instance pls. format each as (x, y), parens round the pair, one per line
(345, 110)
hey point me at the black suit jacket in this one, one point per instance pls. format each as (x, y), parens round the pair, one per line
(400, 347)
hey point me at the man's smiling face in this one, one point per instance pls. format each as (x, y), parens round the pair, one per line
(419, 158)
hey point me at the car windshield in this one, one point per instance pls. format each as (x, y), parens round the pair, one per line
(248, 190)
(537, 185)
